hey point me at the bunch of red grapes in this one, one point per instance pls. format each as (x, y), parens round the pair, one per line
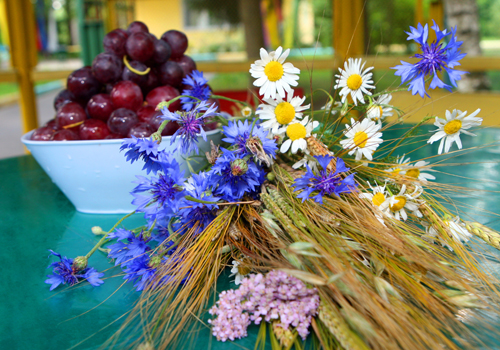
(111, 101)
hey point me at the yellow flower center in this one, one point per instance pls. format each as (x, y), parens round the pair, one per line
(296, 131)
(452, 126)
(396, 171)
(284, 112)
(413, 172)
(354, 82)
(246, 112)
(360, 139)
(378, 199)
(400, 204)
(274, 70)
(376, 112)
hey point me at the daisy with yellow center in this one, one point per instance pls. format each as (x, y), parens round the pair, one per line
(354, 81)
(362, 138)
(449, 130)
(272, 74)
(278, 113)
(378, 195)
(455, 228)
(380, 109)
(397, 205)
(415, 171)
(297, 134)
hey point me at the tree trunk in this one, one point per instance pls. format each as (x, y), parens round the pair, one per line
(464, 15)
(252, 20)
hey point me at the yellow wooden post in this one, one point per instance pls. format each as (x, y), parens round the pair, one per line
(348, 28)
(22, 34)
(419, 12)
(436, 13)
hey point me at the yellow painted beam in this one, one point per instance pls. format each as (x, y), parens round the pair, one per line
(21, 23)
(348, 28)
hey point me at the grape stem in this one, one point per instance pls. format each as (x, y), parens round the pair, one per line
(125, 61)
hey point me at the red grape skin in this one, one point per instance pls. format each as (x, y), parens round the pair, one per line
(70, 113)
(113, 137)
(42, 134)
(170, 73)
(187, 64)
(121, 120)
(164, 93)
(140, 130)
(64, 135)
(114, 42)
(93, 129)
(126, 94)
(107, 67)
(140, 46)
(83, 84)
(140, 80)
(62, 97)
(152, 82)
(52, 124)
(178, 41)
(145, 113)
(100, 107)
(162, 52)
(137, 26)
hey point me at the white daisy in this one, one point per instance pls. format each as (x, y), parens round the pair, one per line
(449, 130)
(415, 171)
(353, 80)
(277, 113)
(401, 163)
(395, 205)
(297, 133)
(239, 272)
(272, 74)
(378, 195)
(380, 109)
(455, 228)
(362, 138)
(333, 106)
(307, 160)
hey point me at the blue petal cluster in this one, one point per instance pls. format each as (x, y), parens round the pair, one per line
(238, 133)
(232, 183)
(64, 272)
(435, 57)
(191, 125)
(198, 89)
(325, 182)
(144, 149)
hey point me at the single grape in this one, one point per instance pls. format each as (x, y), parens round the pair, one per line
(140, 46)
(141, 130)
(69, 114)
(136, 27)
(107, 67)
(100, 107)
(169, 129)
(145, 113)
(114, 42)
(62, 97)
(93, 129)
(152, 82)
(121, 120)
(52, 124)
(162, 52)
(140, 80)
(170, 73)
(83, 84)
(43, 133)
(113, 137)
(65, 135)
(178, 41)
(164, 93)
(187, 64)
(126, 94)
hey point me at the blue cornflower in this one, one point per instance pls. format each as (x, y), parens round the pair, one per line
(139, 271)
(235, 176)
(65, 271)
(158, 197)
(325, 182)
(145, 149)
(199, 186)
(433, 59)
(199, 89)
(191, 125)
(238, 134)
(128, 246)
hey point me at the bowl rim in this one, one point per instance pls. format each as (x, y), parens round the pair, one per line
(25, 139)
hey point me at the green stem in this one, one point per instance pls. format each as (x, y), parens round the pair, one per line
(192, 199)
(103, 239)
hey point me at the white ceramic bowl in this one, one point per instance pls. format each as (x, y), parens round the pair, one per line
(94, 175)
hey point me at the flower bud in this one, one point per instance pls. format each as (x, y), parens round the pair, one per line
(155, 261)
(239, 167)
(161, 105)
(97, 230)
(79, 263)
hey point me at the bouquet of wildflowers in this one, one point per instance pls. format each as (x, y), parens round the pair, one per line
(330, 236)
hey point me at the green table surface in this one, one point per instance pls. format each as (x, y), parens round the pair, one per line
(35, 216)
